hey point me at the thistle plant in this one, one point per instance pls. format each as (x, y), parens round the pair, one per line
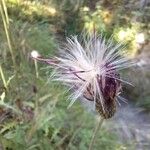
(91, 69)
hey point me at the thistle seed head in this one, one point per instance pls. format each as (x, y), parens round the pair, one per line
(90, 69)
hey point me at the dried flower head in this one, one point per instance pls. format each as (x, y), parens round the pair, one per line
(90, 68)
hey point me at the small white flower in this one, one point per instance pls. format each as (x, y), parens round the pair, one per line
(90, 68)
(35, 54)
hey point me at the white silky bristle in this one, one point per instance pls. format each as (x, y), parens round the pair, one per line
(81, 64)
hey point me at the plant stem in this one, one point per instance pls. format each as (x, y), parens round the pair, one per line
(98, 126)
(36, 68)
(3, 77)
(5, 19)
(5, 12)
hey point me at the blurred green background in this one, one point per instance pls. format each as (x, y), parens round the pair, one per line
(33, 109)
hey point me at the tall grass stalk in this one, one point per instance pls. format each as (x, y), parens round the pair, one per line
(36, 68)
(5, 12)
(5, 19)
(3, 77)
(97, 128)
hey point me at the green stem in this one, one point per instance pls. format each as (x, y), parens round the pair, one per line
(3, 77)
(98, 126)
(3, 11)
(36, 68)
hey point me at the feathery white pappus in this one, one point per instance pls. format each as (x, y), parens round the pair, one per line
(91, 70)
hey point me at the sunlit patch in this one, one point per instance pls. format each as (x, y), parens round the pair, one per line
(125, 34)
(94, 19)
(129, 37)
(40, 8)
(51, 10)
(140, 38)
(89, 25)
(85, 8)
(33, 8)
(122, 35)
(107, 16)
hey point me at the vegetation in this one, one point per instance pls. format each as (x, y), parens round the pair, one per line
(33, 109)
